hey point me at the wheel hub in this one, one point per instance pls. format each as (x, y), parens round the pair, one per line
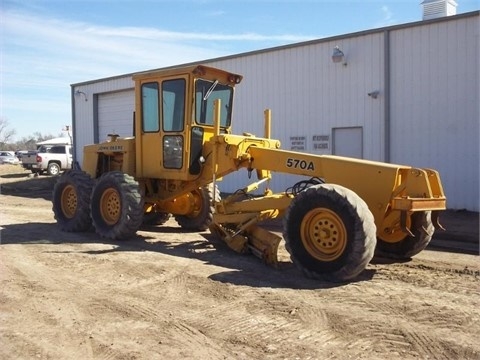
(69, 201)
(392, 230)
(110, 206)
(323, 234)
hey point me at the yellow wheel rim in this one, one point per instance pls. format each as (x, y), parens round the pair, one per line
(110, 206)
(392, 231)
(69, 201)
(323, 234)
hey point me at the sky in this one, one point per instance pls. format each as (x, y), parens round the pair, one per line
(47, 45)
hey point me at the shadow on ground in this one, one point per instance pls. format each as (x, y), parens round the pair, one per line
(242, 269)
(33, 187)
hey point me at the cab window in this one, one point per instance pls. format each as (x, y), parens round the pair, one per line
(206, 92)
(150, 121)
(173, 95)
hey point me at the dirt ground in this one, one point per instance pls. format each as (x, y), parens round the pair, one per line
(173, 295)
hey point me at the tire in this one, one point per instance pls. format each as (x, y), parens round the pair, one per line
(329, 232)
(71, 201)
(116, 206)
(422, 229)
(53, 169)
(202, 216)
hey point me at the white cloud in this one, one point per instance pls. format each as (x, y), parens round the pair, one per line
(139, 47)
(42, 56)
(387, 17)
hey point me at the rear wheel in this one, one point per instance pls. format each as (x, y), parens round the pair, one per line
(329, 232)
(202, 215)
(420, 224)
(53, 169)
(116, 206)
(71, 201)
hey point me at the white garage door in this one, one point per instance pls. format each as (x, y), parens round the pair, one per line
(115, 114)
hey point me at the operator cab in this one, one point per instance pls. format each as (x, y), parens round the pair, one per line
(174, 118)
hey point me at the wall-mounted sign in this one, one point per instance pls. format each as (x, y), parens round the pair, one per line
(320, 142)
(298, 143)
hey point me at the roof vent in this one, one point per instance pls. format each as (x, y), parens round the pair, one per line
(433, 9)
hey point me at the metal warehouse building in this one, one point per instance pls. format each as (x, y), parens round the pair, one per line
(406, 94)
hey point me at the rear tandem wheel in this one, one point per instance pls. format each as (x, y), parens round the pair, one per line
(116, 206)
(71, 201)
(329, 232)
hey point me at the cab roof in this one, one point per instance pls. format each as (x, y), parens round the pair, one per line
(198, 71)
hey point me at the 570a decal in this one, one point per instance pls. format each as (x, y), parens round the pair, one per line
(300, 164)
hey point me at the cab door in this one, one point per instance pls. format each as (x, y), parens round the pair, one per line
(162, 139)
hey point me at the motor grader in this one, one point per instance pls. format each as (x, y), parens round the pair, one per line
(335, 218)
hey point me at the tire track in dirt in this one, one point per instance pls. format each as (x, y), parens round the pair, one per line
(428, 321)
(427, 346)
(275, 324)
(50, 308)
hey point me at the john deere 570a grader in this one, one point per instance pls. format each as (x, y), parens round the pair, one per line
(335, 218)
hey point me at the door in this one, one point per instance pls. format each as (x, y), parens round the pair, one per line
(348, 142)
(115, 111)
(163, 128)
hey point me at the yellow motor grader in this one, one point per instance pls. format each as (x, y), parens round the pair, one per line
(335, 218)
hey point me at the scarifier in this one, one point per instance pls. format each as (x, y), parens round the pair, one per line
(335, 218)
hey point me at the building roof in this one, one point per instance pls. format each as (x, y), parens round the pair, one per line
(303, 43)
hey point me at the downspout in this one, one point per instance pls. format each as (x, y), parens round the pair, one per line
(95, 118)
(386, 47)
(74, 127)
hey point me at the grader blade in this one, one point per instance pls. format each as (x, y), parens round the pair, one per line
(236, 242)
(263, 244)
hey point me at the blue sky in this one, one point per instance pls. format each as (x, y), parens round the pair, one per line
(47, 45)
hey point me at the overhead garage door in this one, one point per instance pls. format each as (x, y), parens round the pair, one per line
(115, 114)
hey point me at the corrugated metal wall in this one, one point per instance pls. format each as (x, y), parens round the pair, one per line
(435, 104)
(309, 95)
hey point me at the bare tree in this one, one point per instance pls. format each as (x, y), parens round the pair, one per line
(6, 134)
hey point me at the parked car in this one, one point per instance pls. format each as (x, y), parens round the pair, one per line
(8, 157)
(52, 159)
(20, 153)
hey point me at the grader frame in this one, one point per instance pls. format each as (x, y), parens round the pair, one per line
(342, 211)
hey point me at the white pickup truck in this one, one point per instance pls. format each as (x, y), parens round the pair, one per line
(52, 159)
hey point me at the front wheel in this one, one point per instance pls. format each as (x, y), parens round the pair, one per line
(71, 201)
(329, 232)
(420, 224)
(116, 206)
